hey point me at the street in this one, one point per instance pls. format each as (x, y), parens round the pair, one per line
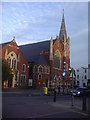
(17, 105)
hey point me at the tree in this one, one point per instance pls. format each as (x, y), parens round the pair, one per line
(6, 72)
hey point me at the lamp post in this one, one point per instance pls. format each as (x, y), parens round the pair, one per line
(64, 73)
(71, 75)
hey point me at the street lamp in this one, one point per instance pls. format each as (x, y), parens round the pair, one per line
(64, 73)
(71, 75)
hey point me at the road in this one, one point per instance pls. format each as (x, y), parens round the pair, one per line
(39, 106)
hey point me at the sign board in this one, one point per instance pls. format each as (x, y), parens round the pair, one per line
(72, 75)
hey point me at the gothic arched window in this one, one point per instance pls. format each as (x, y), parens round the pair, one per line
(35, 69)
(14, 63)
(40, 69)
(44, 69)
(57, 59)
(9, 61)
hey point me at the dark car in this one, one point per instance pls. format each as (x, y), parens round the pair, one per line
(79, 91)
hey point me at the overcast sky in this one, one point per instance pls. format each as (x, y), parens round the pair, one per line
(35, 22)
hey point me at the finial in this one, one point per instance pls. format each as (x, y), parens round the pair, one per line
(57, 37)
(63, 11)
(51, 37)
(13, 37)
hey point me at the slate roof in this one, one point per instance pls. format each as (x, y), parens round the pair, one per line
(3, 44)
(32, 52)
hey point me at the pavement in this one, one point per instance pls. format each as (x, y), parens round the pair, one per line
(65, 105)
(29, 92)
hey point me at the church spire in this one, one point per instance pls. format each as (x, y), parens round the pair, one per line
(62, 33)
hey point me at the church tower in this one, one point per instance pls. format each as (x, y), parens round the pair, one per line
(63, 34)
(64, 40)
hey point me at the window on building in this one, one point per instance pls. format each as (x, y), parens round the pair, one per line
(23, 68)
(22, 81)
(14, 63)
(85, 77)
(35, 69)
(77, 70)
(18, 57)
(84, 85)
(40, 77)
(17, 75)
(9, 61)
(78, 83)
(40, 69)
(77, 76)
(34, 77)
(44, 69)
(85, 70)
(57, 59)
(12, 54)
(47, 70)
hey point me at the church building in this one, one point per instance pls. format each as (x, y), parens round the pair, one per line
(11, 53)
(49, 61)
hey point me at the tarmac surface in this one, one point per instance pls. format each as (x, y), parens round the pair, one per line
(29, 103)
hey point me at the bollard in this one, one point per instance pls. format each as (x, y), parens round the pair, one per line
(72, 100)
(54, 96)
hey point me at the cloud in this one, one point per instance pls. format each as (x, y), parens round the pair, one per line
(32, 22)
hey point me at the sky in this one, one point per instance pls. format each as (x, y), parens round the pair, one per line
(32, 22)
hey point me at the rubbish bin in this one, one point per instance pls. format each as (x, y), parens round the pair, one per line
(45, 90)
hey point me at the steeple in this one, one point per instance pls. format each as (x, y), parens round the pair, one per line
(62, 34)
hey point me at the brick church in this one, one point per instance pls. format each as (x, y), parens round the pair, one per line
(12, 55)
(42, 64)
(49, 61)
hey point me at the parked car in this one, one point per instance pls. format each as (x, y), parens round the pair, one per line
(79, 91)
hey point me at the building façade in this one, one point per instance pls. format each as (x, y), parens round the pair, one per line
(13, 56)
(49, 61)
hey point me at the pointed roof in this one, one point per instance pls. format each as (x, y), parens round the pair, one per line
(63, 28)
